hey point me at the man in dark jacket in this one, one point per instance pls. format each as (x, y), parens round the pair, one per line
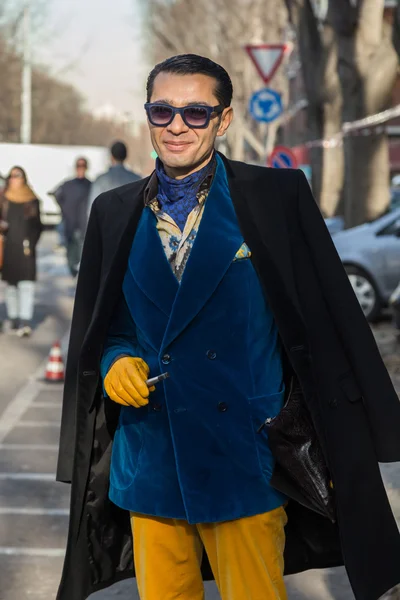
(73, 196)
(116, 175)
(224, 275)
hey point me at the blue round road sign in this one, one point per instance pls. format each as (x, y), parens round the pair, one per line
(266, 105)
(282, 158)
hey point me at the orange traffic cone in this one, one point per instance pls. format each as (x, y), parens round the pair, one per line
(55, 364)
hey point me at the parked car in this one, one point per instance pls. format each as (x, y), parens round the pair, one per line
(394, 198)
(394, 302)
(370, 254)
(334, 224)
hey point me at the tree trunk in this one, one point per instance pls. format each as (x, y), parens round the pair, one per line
(367, 178)
(332, 173)
(367, 70)
(318, 53)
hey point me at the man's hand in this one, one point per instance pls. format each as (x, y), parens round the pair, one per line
(125, 382)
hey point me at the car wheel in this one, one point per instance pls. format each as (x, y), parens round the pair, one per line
(366, 292)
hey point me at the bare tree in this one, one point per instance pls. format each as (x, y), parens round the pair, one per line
(318, 54)
(367, 68)
(354, 71)
(58, 109)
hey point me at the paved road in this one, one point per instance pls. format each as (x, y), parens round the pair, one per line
(33, 507)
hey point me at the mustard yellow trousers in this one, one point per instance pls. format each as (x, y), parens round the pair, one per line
(246, 557)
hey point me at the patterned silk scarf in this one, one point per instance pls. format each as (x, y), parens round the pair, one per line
(178, 197)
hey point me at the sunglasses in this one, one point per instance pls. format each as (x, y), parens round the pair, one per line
(196, 116)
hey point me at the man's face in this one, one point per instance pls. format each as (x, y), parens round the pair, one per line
(182, 149)
(81, 168)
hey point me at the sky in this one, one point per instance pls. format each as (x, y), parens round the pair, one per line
(98, 45)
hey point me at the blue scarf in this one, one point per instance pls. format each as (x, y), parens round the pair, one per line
(178, 197)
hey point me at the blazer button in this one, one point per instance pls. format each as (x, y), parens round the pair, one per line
(156, 407)
(211, 354)
(166, 359)
(333, 402)
(222, 406)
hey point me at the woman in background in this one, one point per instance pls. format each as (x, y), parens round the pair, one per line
(20, 222)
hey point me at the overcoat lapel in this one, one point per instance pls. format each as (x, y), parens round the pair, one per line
(217, 241)
(264, 227)
(122, 221)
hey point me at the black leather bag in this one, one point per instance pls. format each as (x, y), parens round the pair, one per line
(300, 472)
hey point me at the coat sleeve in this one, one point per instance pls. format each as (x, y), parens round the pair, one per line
(59, 195)
(34, 224)
(86, 294)
(379, 396)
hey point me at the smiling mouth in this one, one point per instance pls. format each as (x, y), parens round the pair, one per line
(177, 146)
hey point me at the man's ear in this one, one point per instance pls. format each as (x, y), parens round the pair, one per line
(226, 120)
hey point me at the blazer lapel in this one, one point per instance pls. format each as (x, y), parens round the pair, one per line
(217, 241)
(149, 286)
(149, 265)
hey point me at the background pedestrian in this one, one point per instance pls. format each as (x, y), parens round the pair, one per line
(20, 222)
(116, 175)
(73, 196)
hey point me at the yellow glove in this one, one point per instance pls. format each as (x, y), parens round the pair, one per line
(125, 382)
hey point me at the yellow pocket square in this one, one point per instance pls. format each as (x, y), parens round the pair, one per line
(243, 252)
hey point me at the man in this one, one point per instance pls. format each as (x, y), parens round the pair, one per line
(72, 196)
(224, 275)
(116, 175)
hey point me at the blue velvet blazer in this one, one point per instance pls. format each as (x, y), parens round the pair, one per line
(194, 452)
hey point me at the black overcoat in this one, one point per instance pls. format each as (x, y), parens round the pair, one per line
(24, 226)
(328, 344)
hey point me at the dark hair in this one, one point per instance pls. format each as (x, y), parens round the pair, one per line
(119, 151)
(192, 64)
(82, 159)
(23, 173)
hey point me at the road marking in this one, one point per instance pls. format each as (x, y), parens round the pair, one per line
(45, 552)
(28, 476)
(44, 385)
(46, 447)
(46, 404)
(36, 512)
(19, 405)
(38, 424)
(24, 398)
